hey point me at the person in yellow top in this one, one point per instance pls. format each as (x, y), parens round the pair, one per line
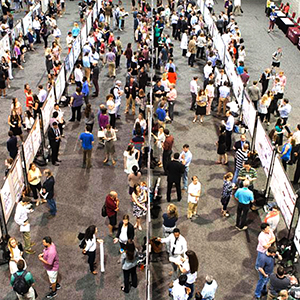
(34, 179)
(268, 8)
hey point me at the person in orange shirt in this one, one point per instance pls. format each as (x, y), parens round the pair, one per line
(172, 76)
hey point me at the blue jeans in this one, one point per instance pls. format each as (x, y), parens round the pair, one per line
(261, 285)
(191, 286)
(52, 206)
(185, 177)
(236, 175)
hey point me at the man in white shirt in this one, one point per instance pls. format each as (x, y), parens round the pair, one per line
(193, 90)
(179, 290)
(177, 247)
(42, 95)
(21, 218)
(118, 92)
(207, 69)
(296, 135)
(78, 75)
(210, 287)
(36, 25)
(194, 192)
(56, 34)
(221, 78)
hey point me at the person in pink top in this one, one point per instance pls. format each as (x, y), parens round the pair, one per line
(49, 258)
(265, 239)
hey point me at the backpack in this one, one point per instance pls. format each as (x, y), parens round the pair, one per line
(20, 285)
(112, 91)
(103, 211)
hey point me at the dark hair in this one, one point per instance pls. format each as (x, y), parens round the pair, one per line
(130, 149)
(176, 155)
(193, 261)
(125, 217)
(55, 114)
(182, 279)
(78, 89)
(89, 233)
(130, 248)
(198, 296)
(88, 128)
(25, 199)
(222, 129)
(47, 239)
(176, 230)
(272, 250)
(135, 187)
(263, 226)
(171, 70)
(20, 264)
(280, 270)
(167, 131)
(186, 146)
(10, 133)
(135, 170)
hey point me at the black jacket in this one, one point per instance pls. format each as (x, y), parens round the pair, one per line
(238, 145)
(12, 146)
(49, 187)
(52, 136)
(133, 91)
(175, 170)
(130, 231)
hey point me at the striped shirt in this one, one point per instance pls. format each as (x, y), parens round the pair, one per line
(251, 173)
(240, 158)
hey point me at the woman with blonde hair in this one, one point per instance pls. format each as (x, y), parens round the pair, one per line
(170, 218)
(165, 82)
(16, 253)
(262, 108)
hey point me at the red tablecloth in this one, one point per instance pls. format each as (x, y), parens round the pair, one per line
(293, 34)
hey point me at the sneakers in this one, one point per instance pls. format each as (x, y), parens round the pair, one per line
(57, 287)
(244, 228)
(51, 295)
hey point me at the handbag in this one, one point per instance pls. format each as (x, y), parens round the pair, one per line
(188, 54)
(35, 292)
(103, 211)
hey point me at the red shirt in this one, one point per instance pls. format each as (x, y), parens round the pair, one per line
(111, 206)
(172, 77)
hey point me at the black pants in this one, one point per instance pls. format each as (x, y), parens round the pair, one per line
(200, 52)
(54, 148)
(166, 158)
(178, 190)
(191, 60)
(35, 189)
(184, 52)
(76, 110)
(38, 37)
(174, 30)
(241, 215)
(228, 139)
(112, 120)
(91, 259)
(194, 97)
(127, 273)
(45, 38)
(118, 57)
(297, 172)
(96, 85)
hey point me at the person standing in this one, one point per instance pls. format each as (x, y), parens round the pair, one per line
(34, 178)
(111, 110)
(210, 287)
(48, 192)
(276, 57)
(265, 240)
(284, 110)
(254, 93)
(224, 93)
(241, 156)
(21, 218)
(194, 192)
(87, 141)
(119, 46)
(264, 80)
(76, 103)
(54, 141)
(177, 248)
(192, 48)
(12, 145)
(167, 148)
(125, 233)
(95, 78)
(244, 196)
(139, 201)
(110, 59)
(49, 258)
(112, 206)
(249, 173)
(110, 138)
(185, 158)
(229, 124)
(278, 282)
(23, 276)
(265, 268)
(78, 75)
(175, 170)
(194, 91)
(91, 246)
(171, 97)
(226, 193)
(131, 89)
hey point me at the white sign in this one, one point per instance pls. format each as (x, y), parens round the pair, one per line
(283, 192)
(36, 136)
(69, 63)
(219, 45)
(95, 12)
(99, 4)
(249, 114)
(47, 109)
(28, 151)
(83, 35)
(297, 236)
(17, 178)
(76, 47)
(7, 198)
(4, 45)
(60, 84)
(264, 147)
(45, 5)
(89, 22)
(27, 22)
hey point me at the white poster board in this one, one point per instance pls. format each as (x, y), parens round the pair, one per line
(16, 31)
(99, 5)
(283, 192)
(264, 147)
(95, 12)
(36, 10)
(17, 178)
(28, 150)
(47, 109)
(297, 236)
(207, 17)
(76, 47)
(36, 136)
(44, 5)
(89, 22)
(249, 114)
(7, 198)
(60, 83)
(219, 45)
(83, 34)
(69, 63)
(4, 45)
(27, 22)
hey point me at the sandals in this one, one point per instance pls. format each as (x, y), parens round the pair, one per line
(105, 160)
(94, 272)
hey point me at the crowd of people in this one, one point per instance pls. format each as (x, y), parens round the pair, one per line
(214, 98)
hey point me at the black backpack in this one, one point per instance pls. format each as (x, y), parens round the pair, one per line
(112, 91)
(20, 285)
(103, 211)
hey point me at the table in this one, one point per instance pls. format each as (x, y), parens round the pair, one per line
(293, 34)
(284, 24)
(280, 14)
(299, 44)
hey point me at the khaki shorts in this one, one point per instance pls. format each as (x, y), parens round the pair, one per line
(52, 276)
